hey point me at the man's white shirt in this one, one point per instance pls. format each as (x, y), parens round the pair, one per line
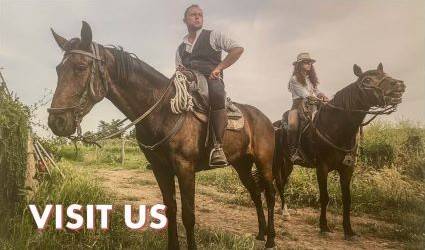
(218, 41)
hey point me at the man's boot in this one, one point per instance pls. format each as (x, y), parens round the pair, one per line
(219, 123)
(293, 147)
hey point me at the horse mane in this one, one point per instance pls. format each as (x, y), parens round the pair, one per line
(347, 97)
(127, 63)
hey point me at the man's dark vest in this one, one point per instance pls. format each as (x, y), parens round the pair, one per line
(203, 57)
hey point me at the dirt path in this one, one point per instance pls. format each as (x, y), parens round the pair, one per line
(299, 232)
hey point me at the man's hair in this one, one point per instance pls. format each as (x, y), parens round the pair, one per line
(188, 8)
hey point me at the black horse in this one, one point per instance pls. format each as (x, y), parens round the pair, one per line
(328, 142)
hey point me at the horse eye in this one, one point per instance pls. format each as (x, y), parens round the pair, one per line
(81, 67)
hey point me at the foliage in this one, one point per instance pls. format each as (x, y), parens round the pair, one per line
(401, 146)
(14, 129)
(109, 127)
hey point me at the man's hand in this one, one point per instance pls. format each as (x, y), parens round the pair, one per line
(215, 74)
(231, 58)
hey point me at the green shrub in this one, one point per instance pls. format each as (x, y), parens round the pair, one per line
(14, 129)
(378, 148)
(400, 145)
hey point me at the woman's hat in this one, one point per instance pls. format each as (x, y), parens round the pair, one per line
(303, 57)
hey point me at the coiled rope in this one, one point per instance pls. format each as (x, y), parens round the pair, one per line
(182, 101)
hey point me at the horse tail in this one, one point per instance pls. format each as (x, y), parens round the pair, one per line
(278, 150)
(277, 159)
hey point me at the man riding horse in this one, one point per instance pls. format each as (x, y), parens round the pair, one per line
(201, 51)
(302, 85)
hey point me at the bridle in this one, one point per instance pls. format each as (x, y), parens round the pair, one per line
(383, 99)
(89, 92)
(382, 108)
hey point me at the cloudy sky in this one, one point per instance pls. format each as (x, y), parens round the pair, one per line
(337, 33)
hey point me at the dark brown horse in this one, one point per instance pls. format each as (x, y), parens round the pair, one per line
(331, 136)
(90, 72)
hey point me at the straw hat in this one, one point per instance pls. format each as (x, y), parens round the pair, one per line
(305, 56)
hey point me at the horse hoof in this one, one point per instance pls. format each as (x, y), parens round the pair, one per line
(270, 247)
(286, 216)
(260, 237)
(351, 237)
(285, 213)
(324, 233)
(325, 230)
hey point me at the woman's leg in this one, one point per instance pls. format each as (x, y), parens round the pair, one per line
(293, 124)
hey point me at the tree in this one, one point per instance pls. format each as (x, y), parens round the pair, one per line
(109, 128)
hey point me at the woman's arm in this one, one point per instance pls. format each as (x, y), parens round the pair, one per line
(320, 94)
(297, 90)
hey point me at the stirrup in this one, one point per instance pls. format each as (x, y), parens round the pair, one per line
(296, 158)
(219, 160)
(349, 160)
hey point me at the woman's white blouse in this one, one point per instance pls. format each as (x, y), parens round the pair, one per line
(298, 90)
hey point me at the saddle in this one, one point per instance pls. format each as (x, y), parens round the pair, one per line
(306, 113)
(197, 87)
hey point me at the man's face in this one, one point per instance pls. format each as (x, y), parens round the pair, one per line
(194, 18)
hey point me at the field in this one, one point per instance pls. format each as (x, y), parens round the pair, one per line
(388, 204)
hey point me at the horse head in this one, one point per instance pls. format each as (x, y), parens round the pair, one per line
(381, 89)
(82, 81)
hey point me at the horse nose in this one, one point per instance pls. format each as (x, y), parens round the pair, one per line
(56, 121)
(60, 124)
(60, 121)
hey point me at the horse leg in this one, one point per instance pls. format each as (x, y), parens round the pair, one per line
(282, 167)
(287, 170)
(345, 179)
(244, 172)
(322, 178)
(166, 184)
(265, 166)
(186, 178)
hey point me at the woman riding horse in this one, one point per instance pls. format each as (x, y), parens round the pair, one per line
(302, 85)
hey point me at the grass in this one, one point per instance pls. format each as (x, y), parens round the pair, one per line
(109, 156)
(390, 188)
(20, 233)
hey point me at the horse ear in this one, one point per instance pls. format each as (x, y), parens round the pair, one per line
(357, 70)
(380, 67)
(59, 40)
(86, 36)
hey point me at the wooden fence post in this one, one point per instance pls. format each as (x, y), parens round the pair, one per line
(122, 149)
